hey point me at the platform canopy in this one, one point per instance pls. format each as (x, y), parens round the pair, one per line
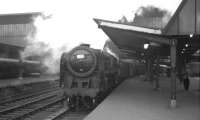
(186, 19)
(131, 39)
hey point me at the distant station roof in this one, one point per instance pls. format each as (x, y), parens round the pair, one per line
(18, 18)
(14, 28)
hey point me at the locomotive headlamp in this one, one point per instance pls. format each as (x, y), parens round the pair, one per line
(146, 46)
(82, 56)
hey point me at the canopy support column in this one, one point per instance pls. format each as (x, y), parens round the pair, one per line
(173, 73)
(149, 69)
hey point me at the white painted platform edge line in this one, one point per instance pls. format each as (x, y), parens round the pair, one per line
(56, 114)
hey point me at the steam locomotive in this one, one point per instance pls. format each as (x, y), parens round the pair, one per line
(86, 74)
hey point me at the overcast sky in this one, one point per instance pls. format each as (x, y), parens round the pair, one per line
(72, 19)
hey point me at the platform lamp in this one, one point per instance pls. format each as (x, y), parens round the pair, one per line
(146, 46)
(191, 35)
(148, 64)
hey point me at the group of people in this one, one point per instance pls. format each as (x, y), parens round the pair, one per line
(183, 77)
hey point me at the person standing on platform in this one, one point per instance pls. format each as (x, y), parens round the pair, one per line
(186, 81)
(184, 78)
(156, 72)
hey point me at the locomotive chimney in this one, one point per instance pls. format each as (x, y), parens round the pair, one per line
(84, 44)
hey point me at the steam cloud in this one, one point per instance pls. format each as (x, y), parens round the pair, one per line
(152, 11)
(46, 44)
(148, 16)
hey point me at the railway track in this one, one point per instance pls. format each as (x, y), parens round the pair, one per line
(21, 108)
(44, 106)
(30, 93)
(72, 116)
(67, 114)
(26, 95)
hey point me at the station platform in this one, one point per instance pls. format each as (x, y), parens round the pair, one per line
(135, 99)
(27, 80)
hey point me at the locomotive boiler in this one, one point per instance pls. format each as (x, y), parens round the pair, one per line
(85, 74)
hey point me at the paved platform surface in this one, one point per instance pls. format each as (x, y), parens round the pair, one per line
(27, 80)
(136, 99)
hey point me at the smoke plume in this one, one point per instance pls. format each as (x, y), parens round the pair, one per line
(46, 44)
(160, 16)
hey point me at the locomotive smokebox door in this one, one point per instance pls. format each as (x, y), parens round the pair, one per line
(82, 61)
